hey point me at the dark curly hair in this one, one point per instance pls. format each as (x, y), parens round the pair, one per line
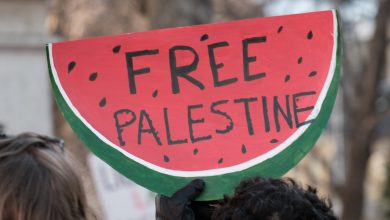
(273, 199)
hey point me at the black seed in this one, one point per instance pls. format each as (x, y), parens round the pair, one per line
(243, 149)
(280, 28)
(102, 102)
(93, 76)
(196, 151)
(299, 60)
(287, 78)
(166, 158)
(71, 65)
(155, 93)
(204, 37)
(220, 160)
(310, 35)
(274, 140)
(312, 73)
(116, 49)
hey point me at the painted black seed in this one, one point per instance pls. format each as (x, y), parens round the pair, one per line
(287, 78)
(166, 158)
(196, 151)
(116, 49)
(93, 76)
(103, 102)
(243, 149)
(280, 28)
(71, 65)
(299, 60)
(274, 140)
(155, 93)
(310, 35)
(312, 73)
(220, 160)
(204, 37)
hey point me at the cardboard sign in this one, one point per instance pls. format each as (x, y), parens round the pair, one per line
(216, 101)
(120, 198)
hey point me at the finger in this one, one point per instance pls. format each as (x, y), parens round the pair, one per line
(190, 191)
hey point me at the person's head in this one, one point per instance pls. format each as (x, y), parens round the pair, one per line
(36, 182)
(273, 199)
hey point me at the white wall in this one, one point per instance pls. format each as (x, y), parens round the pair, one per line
(25, 100)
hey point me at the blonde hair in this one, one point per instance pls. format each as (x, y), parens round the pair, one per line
(36, 182)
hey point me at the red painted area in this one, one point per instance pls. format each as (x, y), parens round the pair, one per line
(278, 57)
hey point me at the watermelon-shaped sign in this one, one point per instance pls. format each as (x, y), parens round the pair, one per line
(221, 102)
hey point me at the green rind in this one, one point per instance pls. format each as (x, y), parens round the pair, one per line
(216, 186)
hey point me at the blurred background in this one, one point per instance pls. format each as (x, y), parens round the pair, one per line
(350, 162)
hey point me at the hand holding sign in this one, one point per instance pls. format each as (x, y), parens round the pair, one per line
(178, 206)
(219, 102)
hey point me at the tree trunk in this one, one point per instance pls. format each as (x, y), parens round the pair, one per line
(174, 13)
(359, 130)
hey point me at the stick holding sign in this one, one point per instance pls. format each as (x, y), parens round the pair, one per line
(220, 102)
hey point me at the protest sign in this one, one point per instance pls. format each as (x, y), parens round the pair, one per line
(120, 198)
(220, 102)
